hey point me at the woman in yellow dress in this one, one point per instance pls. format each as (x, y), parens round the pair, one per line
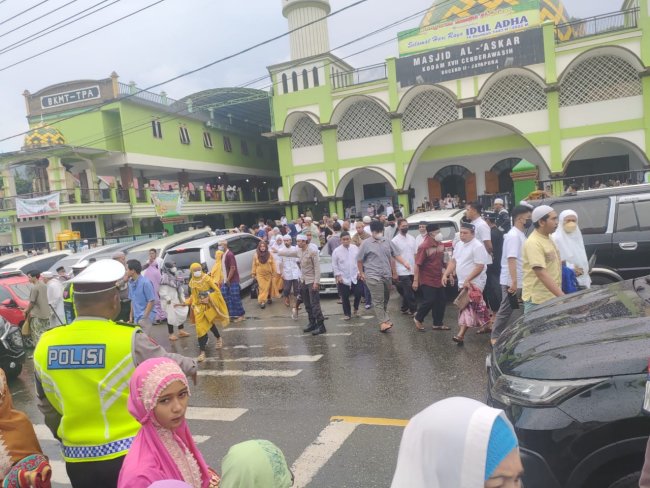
(208, 308)
(264, 272)
(216, 273)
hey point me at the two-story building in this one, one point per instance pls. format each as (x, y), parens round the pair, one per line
(456, 116)
(99, 150)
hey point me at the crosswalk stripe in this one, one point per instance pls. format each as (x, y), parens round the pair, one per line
(43, 432)
(280, 327)
(59, 474)
(200, 439)
(210, 413)
(320, 451)
(327, 334)
(271, 359)
(279, 373)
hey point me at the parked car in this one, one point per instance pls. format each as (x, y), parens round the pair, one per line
(615, 223)
(40, 263)
(11, 258)
(448, 220)
(203, 250)
(162, 245)
(327, 280)
(77, 258)
(571, 376)
(12, 349)
(124, 247)
(14, 296)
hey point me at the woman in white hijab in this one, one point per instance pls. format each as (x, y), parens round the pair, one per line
(458, 443)
(568, 240)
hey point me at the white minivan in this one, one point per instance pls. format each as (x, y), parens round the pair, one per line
(162, 245)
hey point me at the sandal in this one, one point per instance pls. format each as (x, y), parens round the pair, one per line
(385, 329)
(484, 330)
(458, 340)
(440, 327)
(182, 333)
(172, 337)
(418, 325)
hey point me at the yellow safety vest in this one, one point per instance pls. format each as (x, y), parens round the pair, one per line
(84, 369)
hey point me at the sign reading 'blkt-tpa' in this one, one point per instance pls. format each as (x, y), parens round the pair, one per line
(72, 96)
(471, 59)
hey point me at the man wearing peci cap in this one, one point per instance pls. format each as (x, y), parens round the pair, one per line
(82, 377)
(542, 265)
(503, 217)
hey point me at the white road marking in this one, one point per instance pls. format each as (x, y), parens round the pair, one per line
(367, 317)
(328, 334)
(281, 327)
(271, 359)
(351, 325)
(209, 413)
(43, 433)
(200, 439)
(316, 455)
(278, 373)
(59, 474)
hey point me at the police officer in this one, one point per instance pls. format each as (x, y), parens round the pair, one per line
(68, 292)
(82, 378)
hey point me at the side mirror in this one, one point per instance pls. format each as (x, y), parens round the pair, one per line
(9, 303)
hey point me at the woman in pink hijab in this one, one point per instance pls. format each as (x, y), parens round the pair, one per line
(164, 448)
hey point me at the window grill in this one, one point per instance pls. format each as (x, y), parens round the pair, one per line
(429, 109)
(156, 129)
(227, 146)
(184, 135)
(305, 134)
(244, 147)
(207, 140)
(363, 119)
(515, 94)
(600, 78)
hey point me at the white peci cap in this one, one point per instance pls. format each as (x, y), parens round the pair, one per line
(540, 212)
(498, 201)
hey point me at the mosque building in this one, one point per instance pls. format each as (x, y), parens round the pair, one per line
(484, 94)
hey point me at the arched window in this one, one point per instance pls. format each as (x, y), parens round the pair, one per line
(294, 81)
(515, 94)
(364, 118)
(599, 78)
(305, 79)
(315, 75)
(431, 108)
(305, 134)
(285, 83)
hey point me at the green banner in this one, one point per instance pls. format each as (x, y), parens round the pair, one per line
(458, 30)
(167, 203)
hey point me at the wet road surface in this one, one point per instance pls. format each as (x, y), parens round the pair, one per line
(335, 404)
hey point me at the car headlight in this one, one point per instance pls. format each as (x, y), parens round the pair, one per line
(12, 337)
(510, 390)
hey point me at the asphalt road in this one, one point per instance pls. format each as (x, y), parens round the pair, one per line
(335, 404)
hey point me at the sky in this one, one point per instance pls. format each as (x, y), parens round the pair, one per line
(176, 36)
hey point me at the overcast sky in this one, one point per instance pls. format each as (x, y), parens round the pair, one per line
(176, 36)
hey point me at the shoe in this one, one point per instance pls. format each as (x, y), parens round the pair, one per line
(269, 301)
(294, 313)
(182, 333)
(262, 306)
(418, 325)
(239, 319)
(172, 337)
(355, 313)
(339, 301)
(219, 343)
(286, 302)
(310, 328)
(201, 358)
(320, 329)
(368, 307)
(346, 317)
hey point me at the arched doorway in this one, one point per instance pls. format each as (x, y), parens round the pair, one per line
(309, 199)
(452, 180)
(498, 179)
(363, 187)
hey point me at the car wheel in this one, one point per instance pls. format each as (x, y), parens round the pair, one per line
(13, 373)
(628, 481)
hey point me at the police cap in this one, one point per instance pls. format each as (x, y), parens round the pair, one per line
(100, 276)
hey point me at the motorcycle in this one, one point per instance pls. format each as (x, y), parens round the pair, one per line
(12, 349)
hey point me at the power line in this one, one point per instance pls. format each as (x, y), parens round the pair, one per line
(82, 35)
(36, 18)
(98, 107)
(23, 12)
(49, 29)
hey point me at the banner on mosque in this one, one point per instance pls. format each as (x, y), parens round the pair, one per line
(38, 207)
(167, 203)
(471, 59)
(507, 19)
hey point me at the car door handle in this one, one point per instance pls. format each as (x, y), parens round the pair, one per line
(628, 246)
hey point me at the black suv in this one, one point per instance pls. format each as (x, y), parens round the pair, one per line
(615, 223)
(571, 376)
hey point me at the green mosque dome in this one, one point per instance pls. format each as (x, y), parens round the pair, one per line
(442, 10)
(43, 136)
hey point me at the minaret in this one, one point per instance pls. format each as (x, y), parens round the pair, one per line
(313, 39)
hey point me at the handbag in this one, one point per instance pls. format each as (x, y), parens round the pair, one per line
(26, 330)
(569, 280)
(462, 300)
(255, 289)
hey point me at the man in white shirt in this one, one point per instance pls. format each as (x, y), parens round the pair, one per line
(405, 243)
(54, 298)
(291, 276)
(344, 266)
(389, 209)
(482, 229)
(366, 224)
(512, 271)
(469, 262)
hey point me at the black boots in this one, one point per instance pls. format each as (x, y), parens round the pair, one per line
(319, 329)
(312, 326)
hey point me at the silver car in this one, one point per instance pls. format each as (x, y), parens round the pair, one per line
(327, 280)
(202, 251)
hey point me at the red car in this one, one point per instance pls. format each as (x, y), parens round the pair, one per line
(14, 296)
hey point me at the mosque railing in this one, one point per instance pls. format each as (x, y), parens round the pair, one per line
(597, 25)
(132, 90)
(558, 186)
(359, 76)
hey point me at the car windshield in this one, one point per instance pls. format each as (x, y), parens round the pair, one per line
(21, 290)
(142, 256)
(184, 258)
(447, 229)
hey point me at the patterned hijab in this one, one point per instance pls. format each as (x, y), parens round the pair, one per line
(255, 464)
(17, 437)
(158, 453)
(263, 256)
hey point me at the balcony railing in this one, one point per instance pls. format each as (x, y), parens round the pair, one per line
(558, 186)
(359, 76)
(131, 89)
(599, 24)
